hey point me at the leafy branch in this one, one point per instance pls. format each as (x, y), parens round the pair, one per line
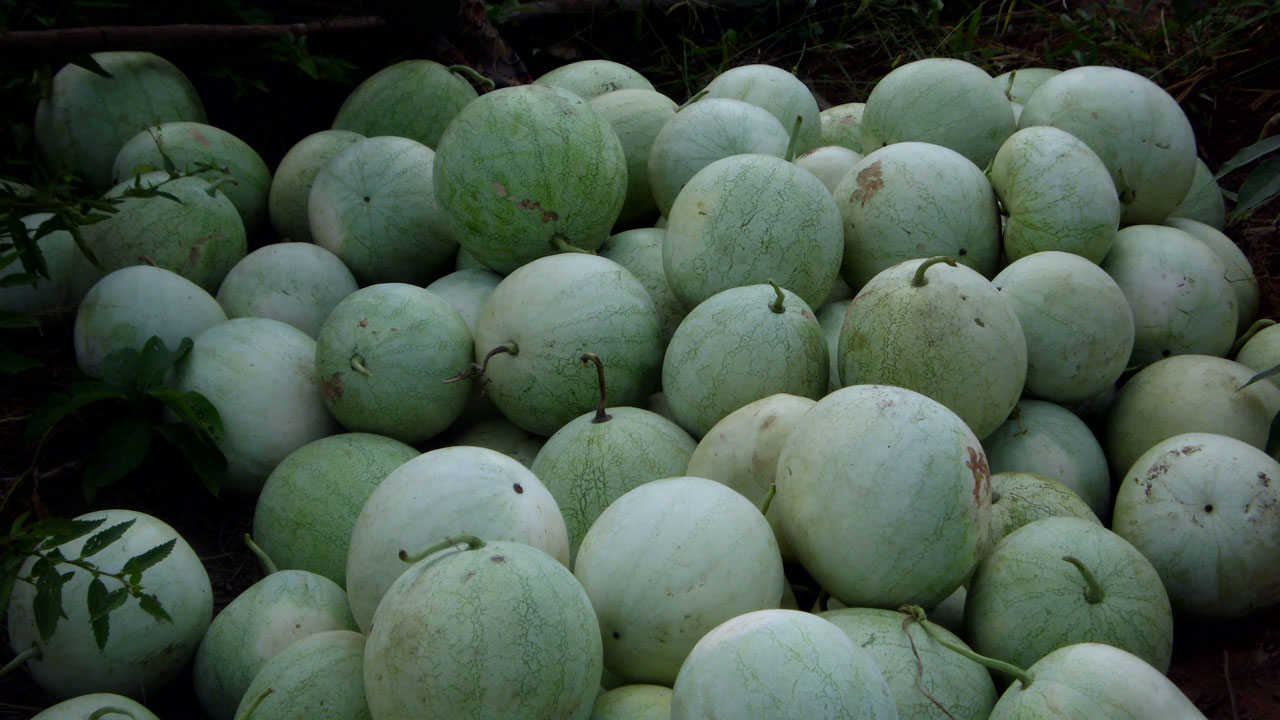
(43, 541)
(135, 381)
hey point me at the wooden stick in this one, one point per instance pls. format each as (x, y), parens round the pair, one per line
(65, 41)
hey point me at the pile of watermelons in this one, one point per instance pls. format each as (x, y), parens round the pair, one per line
(566, 401)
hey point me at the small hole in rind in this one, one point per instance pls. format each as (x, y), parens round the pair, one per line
(516, 486)
(366, 198)
(1208, 508)
(616, 636)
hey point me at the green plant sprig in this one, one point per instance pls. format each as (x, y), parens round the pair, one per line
(43, 540)
(135, 380)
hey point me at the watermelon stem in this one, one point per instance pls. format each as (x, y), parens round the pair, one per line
(776, 305)
(795, 138)
(1092, 591)
(476, 371)
(475, 77)
(920, 667)
(1254, 329)
(601, 415)
(561, 245)
(30, 653)
(453, 541)
(253, 706)
(1009, 669)
(104, 711)
(919, 280)
(1126, 191)
(768, 498)
(696, 97)
(357, 364)
(268, 565)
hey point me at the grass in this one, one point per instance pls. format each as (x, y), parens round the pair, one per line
(1208, 55)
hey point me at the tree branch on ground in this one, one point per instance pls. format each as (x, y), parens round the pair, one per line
(64, 41)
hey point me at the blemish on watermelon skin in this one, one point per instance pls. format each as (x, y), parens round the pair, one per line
(333, 388)
(870, 182)
(977, 464)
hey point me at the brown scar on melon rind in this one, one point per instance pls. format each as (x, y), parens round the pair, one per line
(977, 464)
(332, 388)
(870, 182)
(547, 215)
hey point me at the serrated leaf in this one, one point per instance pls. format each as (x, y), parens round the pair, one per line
(120, 449)
(169, 165)
(97, 598)
(101, 540)
(60, 531)
(88, 63)
(97, 595)
(61, 404)
(47, 604)
(144, 561)
(1262, 184)
(151, 606)
(101, 631)
(205, 458)
(1248, 155)
(12, 363)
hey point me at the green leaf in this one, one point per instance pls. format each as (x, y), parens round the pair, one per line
(193, 409)
(11, 319)
(100, 540)
(1273, 370)
(61, 404)
(88, 63)
(169, 165)
(120, 369)
(12, 363)
(17, 279)
(47, 604)
(156, 359)
(205, 458)
(151, 606)
(142, 562)
(120, 449)
(97, 599)
(1248, 155)
(60, 531)
(1262, 184)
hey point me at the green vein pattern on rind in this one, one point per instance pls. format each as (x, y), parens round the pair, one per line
(555, 309)
(502, 631)
(522, 167)
(885, 496)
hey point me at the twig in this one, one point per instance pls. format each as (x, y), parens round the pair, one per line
(158, 37)
(566, 7)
